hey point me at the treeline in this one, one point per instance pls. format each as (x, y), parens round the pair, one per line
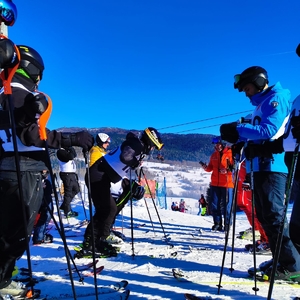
(178, 147)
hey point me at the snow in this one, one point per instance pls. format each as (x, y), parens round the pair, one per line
(147, 263)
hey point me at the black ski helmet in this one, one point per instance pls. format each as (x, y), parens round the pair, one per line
(31, 62)
(151, 138)
(256, 75)
(8, 12)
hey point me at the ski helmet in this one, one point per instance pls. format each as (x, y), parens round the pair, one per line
(256, 75)
(31, 62)
(102, 138)
(8, 12)
(151, 138)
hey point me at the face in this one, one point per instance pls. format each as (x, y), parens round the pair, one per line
(250, 90)
(106, 144)
(219, 147)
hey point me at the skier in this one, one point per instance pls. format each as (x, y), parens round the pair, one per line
(69, 178)
(28, 106)
(221, 165)
(113, 167)
(182, 206)
(202, 206)
(244, 202)
(269, 172)
(40, 235)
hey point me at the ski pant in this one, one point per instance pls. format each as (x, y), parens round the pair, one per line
(45, 215)
(12, 231)
(269, 193)
(105, 208)
(244, 202)
(71, 189)
(221, 201)
(295, 216)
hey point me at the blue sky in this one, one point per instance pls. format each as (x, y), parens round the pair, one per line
(161, 63)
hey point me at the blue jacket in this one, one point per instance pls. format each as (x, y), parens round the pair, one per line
(268, 123)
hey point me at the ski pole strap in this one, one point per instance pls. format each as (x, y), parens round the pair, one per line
(43, 120)
(8, 73)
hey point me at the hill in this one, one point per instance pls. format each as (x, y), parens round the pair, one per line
(177, 147)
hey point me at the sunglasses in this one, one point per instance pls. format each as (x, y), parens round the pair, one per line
(8, 12)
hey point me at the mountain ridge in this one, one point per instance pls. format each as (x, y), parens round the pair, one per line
(177, 147)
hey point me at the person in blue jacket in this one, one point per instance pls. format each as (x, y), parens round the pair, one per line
(271, 113)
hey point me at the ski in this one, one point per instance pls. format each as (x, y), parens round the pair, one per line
(192, 297)
(84, 267)
(114, 291)
(91, 273)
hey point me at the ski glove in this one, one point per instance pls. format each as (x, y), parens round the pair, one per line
(295, 121)
(229, 132)
(35, 104)
(81, 139)
(236, 148)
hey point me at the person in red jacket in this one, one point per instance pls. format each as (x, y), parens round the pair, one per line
(244, 202)
(221, 186)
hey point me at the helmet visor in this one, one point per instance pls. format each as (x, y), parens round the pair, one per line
(154, 140)
(8, 12)
(237, 79)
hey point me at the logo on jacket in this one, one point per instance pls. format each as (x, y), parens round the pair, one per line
(274, 104)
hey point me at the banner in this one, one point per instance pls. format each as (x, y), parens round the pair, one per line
(150, 184)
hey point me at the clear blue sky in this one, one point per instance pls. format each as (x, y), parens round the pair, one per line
(138, 63)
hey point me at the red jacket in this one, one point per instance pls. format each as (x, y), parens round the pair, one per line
(219, 164)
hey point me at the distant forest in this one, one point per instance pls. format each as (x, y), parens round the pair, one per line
(177, 147)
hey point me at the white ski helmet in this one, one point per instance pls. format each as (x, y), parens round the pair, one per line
(102, 138)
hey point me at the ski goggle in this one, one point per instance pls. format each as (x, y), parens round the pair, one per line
(216, 140)
(154, 139)
(8, 12)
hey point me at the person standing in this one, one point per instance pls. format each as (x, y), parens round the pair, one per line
(269, 118)
(28, 105)
(221, 185)
(69, 178)
(202, 206)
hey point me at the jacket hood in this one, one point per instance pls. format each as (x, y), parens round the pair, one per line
(277, 88)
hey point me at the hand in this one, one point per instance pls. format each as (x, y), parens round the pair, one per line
(246, 186)
(35, 104)
(229, 132)
(295, 121)
(202, 164)
(138, 191)
(236, 148)
(257, 150)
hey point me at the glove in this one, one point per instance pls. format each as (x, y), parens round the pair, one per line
(81, 139)
(138, 191)
(266, 149)
(246, 185)
(203, 165)
(295, 121)
(236, 148)
(229, 132)
(34, 104)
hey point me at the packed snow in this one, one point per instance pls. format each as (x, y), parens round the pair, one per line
(162, 240)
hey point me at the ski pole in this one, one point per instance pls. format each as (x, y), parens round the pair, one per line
(131, 217)
(80, 194)
(86, 159)
(233, 204)
(162, 227)
(42, 121)
(281, 226)
(255, 288)
(148, 211)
